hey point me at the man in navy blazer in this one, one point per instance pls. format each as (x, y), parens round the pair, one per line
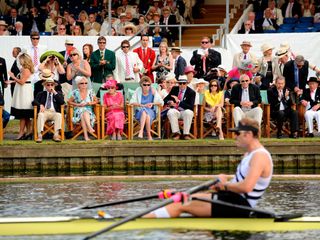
(49, 107)
(311, 101)
(180, 63)
(246, 97)
(293, 11)
(181, 102)
(296, 75)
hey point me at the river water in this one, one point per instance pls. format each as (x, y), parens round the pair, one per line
(49, 199)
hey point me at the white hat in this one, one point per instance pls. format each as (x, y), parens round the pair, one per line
(285, 45)
(182, 78)
(266, 47)
(199, 80)
(281, 52)
(69, 41)
(170, 76)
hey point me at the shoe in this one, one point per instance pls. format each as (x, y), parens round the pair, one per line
(28, 136)
(39, 140)
(176, 136)
(119, 138)
(56, 138)
(21, 137)
(294, 135)
(310, 135)
(113, 138)
(279, 135)
(187, 137)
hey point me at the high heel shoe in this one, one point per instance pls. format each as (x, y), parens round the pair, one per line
(21, 137)
(28, 136)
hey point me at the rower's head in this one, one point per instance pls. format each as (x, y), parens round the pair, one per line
(246, 130)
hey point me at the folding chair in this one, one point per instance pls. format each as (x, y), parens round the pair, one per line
(48, 126)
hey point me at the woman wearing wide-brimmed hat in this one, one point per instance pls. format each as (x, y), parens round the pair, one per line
(21, 106)
(244, 68)
(268, 65)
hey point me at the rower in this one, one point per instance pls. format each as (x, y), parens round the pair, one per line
(251, 179)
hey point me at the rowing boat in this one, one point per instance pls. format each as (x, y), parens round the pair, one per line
(77, 225)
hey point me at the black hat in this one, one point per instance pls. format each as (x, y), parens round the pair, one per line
(231, 81)
(242, 127)
(313, 79)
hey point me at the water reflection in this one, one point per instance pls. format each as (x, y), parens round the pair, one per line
(49, 199)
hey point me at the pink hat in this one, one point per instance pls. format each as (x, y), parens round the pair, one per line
(189, 69)
(110, 83)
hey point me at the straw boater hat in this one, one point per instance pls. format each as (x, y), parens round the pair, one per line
(281, 52)
(46, 74)
(285, 45)
(122, 15)
(266, 47)
(49, 80)
(3, 23)
(69, 42)
(182, 78)
(246, 43)
(52, 53)
(176, 49)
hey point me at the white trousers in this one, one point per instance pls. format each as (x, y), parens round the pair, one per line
(254, 113)
(49, 115)
(309, 116)
(174, 115)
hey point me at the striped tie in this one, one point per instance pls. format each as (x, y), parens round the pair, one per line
(35, 56)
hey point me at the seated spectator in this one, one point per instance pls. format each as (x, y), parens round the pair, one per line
(83, 99)
(170, 33)
(251, 25)
(281, 107)
(114, 102)
(169, 82)
(244, 68)
(76, 31)
(143, 25)
(19, 30)
(291, 8)
(52, 5)
(49, 104)
(199, 86)
(156, 22)
(247, 28)
(130, 18)
(144, 99)
(227, 93)
(92, 25)
(275, 12)
(130, 30)
(246, 97)
(51, 21)
(311, 102)
(62, 31)
(307, 8)
(3, 28)
(181, 102)
(119, 26)
(268, 22)
(257, 77)
(214, 101)
(189, 72)
(83, 17)
(59, 21)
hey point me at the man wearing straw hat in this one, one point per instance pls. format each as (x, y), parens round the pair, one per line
(179, 63)
(244, 54)
(49, 104)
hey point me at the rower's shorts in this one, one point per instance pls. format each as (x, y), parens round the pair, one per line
(221, 211)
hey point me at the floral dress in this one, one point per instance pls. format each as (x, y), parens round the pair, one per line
(78, 111)
(162, 71)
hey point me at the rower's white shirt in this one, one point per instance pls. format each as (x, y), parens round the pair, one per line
(243, 170)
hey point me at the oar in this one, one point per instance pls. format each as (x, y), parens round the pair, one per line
(176, 198)
(161, 195)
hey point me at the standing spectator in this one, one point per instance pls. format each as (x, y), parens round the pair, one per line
(205, 58)
(296, 73)
(52, 5)
(181, 102)
(87, 50)
(128, 64)
(179, 62)
(19, 30)
(35, 20)
(156, 22)
(147, 56)
(49, 104)
(268, 21)
(114, 102)
(121, 24)
(281, 107)
(143, 25)
(268, 65)
(245, 54)
(283, 58)
(14, 69)
(144, 99)
(291, 8)
(311, 102)
(21, 106)
(163, 63)
(92, 24)
(83, 99)
(246, 97)
(78, 67)
(307, 9)
(12, 19)
(103, 62)
(51, 21)
(170, 33)
(3, 73)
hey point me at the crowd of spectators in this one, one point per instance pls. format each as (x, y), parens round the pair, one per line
(270, 16)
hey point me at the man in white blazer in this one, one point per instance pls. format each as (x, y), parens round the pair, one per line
(128, 64)
(244, 54)
(276, 12)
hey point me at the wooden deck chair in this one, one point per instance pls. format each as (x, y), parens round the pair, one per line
(302, 122)
(126, 131)
(48, 126)
(1, 124)
(77, 129)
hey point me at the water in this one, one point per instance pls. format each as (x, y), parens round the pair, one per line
(49, 199)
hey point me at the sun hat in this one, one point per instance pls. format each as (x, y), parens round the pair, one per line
(198, 81)
(266, 47)
(49, 80)
(182, 78)
(52, 53)
(246, 43)
(189, 69)
(46, 74)
(245, 65)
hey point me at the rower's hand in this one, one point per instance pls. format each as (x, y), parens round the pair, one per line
(220, 185)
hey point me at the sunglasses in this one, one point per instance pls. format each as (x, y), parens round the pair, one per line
(62, 29)
(102, 42)
(214, 85)
(82, 83)
(182, 83)
(49, 84)
(243, 81)
(34, 38)
(146, 85)
(125, 47)
(204, 42)
(74, 54)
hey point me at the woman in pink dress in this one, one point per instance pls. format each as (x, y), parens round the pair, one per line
(113, 101)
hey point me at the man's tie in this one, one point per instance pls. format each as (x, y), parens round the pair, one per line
(127, 65)
(245, 56)
(101, 55)
(35, 56)
(49, 101)
(180, 95)
(281, 68)
(204, 64)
